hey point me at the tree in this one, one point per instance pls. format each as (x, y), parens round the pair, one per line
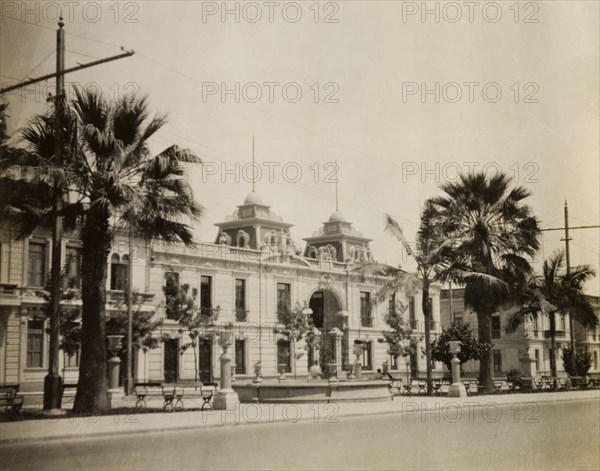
(583, 360)
(430, 246)
(109, 180)
(470, 347)
(555, 292)
(295, 325)
(492, 234)
(195, 321)
(144, 324)
(401, 339)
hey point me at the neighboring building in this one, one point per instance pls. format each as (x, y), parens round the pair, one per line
(252, 272)
(527, 349)
(590, 337)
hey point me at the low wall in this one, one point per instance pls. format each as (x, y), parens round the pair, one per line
(317, 391)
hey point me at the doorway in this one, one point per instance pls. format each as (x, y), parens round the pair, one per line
(171, 360)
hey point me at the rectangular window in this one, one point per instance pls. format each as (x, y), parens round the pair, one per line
(241, 314)
(496, 331)
(497, 361)
(458, 318)
(284, 363)
(537, 360)
(365, 309)
(392, 303)
(171, 291)
(35, 343)
(118, 272)
(72, 361)
(563, 323)
(366, 356)
(72, 268)
(412, 320)
(411, 309)
(595, 360)
(205, 292)
(284, 299)
(37, 264)
(393, 362)
(240, 357)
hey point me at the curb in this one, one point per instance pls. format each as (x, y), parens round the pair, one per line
(422, 406)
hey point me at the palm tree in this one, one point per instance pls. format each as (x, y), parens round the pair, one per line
(492, 232)
(112, 181)
(553, 292)
(429, 248)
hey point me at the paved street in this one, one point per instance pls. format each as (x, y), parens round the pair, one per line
(551, 435)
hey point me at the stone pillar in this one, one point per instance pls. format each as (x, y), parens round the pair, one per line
(358, 351)
(457, 389)
(226, 398)
(338, 335)
(114, 363)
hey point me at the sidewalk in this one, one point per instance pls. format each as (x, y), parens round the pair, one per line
(53, 428)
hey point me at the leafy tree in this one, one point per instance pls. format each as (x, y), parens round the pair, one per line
(492, 234)
(401, 339)
(583, 360)
(295, 325)
(555, 292)
(108, 179)
(143, 324)
(194, 321)
(430, 247)
(470, 347)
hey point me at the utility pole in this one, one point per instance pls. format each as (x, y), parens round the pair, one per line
(568, 260)
(566, 239)
(53, 381)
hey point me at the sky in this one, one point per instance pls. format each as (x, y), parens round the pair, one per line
(393, 98)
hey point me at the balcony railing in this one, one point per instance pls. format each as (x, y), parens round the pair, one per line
(241, 315)
(413, 324)
(366, 321)
(558, 333)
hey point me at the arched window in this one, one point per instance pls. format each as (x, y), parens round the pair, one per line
(118, 272)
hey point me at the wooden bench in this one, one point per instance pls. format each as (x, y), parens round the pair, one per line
(147, 389)
(175, 394)
(11, 399)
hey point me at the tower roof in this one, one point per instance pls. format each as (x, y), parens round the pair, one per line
(337, 216)
(253, 198)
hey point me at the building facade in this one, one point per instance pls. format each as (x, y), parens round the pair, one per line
(528, 348)
(252, 273)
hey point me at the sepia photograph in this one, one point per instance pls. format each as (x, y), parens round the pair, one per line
(300, 235)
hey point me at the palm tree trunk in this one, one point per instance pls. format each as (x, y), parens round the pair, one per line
(92, 386)
(427, 316)
(552, 317)
(486, 362)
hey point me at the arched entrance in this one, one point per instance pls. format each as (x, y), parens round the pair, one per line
(327, 314)
(326, 310)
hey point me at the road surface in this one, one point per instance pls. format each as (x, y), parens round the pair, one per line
(551, 435)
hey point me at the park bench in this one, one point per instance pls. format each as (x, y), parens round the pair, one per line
(438, 385)
(578, 382)
(174, 394)
(11, 399)
(145, 390)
